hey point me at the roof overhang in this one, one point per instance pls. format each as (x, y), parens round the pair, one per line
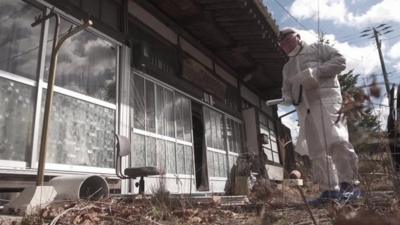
(239, 32)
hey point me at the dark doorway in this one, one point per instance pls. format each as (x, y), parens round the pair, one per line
(200, 154)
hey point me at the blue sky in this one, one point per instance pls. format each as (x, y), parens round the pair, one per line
(341, 21)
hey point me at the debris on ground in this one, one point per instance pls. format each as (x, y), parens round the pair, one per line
(275, 207)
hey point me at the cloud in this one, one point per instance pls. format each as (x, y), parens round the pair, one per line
(328, 10)
(385, 11)
(394, 51)
(337, 12)
(290, 121)
(394, 55)
(363, 60)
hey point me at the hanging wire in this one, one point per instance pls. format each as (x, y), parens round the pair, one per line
(294, 18)
(390, 38)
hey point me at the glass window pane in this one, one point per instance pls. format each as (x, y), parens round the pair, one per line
(86, 63)
(276, 157)
(272, 135)
(274, 146)
(160, 110)
(150, 107)
(171, 163)
(16, 119)
(180, 159)
(237, 136)
(268, 153)
(216, 164)
(178, 116)
(263, 131)
(169, 113)
(139, 106)
(151, 153)
(161, 157)
(222, 163)
(19, 42)
(80, 133)
(188, 160)
(208, 130)
(220, 131)
(217, 140)
(232, 161)
(229, 134)
(187, 114)
(214, 131)
(210, 163)
(240, 144)
(138, 156)
(234, 131)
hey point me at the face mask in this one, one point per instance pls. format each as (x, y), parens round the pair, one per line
(295, 51)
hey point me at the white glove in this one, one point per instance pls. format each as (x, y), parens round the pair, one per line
(287, 100)
(306, 78)
(274, 101)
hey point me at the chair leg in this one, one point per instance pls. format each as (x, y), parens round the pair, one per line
(141, 185)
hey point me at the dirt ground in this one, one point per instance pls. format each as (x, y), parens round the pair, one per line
(282, 207)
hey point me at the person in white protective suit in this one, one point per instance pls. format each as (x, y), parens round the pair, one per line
(310, 83)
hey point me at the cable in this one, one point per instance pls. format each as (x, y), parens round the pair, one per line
(349, 35)
(385, 39)
(294, 18)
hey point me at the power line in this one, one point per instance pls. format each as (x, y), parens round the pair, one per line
(294, 18)
(347, 36)
(385, 39)
(376, 32)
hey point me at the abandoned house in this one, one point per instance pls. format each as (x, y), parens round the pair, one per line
(185, 80)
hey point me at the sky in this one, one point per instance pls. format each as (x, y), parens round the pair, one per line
(341, 22)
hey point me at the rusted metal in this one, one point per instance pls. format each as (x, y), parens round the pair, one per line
(50, 84)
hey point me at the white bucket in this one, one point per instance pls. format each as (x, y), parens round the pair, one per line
(91, 187)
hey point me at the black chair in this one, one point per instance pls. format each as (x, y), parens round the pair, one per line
(123, 148)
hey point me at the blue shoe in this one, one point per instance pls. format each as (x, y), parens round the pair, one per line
(349, 192)
(326, 197)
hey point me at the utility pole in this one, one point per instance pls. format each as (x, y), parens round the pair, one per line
(376, 31)
(378, 45)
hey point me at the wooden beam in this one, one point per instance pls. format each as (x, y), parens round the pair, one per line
(218, 1)
(224, 6)
(234, 12)
(250, 28)
(225, 18)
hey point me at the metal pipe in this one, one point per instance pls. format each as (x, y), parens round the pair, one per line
(286, 114)
(49, 98)
(50, 86)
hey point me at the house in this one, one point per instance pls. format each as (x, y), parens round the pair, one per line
(186, 80)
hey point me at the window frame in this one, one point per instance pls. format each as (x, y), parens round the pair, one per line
(29, 82)
(42, 87)
(267, 130)
(165, 137)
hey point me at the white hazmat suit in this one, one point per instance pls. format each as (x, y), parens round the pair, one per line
(310, 82)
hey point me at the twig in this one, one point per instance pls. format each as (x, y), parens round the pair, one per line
(55, 220)
(152, 221)
(115, 218)
(90, 196)
(307, 206)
